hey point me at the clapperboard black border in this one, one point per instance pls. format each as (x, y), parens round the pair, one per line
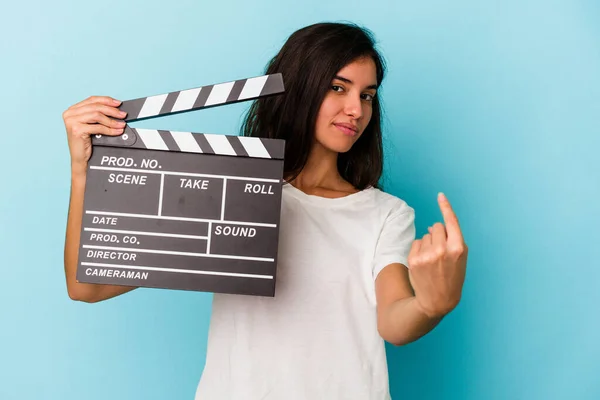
(201, 143)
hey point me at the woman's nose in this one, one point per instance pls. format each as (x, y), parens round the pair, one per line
(353, 106)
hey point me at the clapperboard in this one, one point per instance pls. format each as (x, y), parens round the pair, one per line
(184, 210)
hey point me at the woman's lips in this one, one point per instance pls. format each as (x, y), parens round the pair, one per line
(347, 129)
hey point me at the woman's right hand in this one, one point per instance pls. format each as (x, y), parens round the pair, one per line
(95, 115)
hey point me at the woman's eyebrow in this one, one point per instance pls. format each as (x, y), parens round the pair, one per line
(341, 78)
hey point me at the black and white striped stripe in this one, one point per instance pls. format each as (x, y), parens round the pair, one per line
(202, 97)
(208, 143)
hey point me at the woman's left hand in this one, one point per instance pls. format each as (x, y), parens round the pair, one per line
(437, 265)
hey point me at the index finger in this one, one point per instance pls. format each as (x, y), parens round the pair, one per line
(450, 220)
(106, 100)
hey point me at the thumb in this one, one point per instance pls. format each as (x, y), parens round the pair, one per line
(414, 250)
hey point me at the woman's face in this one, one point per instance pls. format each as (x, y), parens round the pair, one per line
(347, 107)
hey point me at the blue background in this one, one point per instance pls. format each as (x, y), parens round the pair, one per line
(495, 103)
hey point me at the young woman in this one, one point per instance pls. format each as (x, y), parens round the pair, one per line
(350, 274)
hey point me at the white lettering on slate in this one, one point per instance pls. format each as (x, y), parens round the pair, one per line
(193, 183)
(113, 273)
(258, 189)
(130, 239)
(128, 179)
(102, 237)
(235, 231)
(117, 161)
(152, 164)
(111, 255)
(104, 220)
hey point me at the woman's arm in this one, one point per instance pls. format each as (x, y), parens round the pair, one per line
(95, 115)
(400, 320)
(413, 299)
(86, 292)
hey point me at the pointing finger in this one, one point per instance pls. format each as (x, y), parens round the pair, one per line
(450, 220)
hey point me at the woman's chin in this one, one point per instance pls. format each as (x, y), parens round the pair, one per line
(339, 146)
(342, 147)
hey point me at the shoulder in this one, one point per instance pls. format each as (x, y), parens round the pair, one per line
(394, 206)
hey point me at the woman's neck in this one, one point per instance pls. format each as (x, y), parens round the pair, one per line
(320, 175)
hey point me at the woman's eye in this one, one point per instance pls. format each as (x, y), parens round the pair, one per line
(336, 88)
(367, 96)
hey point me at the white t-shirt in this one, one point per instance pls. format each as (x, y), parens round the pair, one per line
(317, 338)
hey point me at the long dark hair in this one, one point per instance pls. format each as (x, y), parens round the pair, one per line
(308, 61)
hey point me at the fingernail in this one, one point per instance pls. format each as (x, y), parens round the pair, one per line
(116, 101)
(122, 113)
(442, 196)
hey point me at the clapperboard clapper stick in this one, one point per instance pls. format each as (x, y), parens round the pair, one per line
(184, 210)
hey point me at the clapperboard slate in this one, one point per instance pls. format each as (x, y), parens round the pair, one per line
(184, 210)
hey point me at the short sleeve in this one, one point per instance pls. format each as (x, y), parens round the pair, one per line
(395, 240)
